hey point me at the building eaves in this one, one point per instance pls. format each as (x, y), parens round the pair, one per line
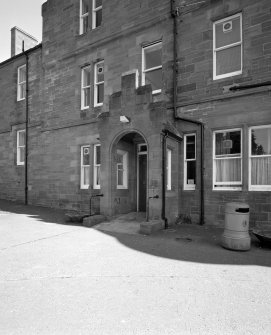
(21, 54)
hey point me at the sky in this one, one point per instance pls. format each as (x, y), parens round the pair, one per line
(25, 14)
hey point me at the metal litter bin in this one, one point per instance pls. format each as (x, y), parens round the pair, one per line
(236, 235)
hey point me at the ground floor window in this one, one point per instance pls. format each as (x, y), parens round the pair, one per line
(227, 159)
(85, 166)
(260, 158)
(122, 169)
(190, 161)
(97, 166)
(20, 147)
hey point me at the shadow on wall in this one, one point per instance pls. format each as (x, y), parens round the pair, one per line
(188, 243)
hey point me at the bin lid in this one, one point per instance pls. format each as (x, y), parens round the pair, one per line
(231, 207)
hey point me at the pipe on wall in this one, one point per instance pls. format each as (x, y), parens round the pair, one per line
(26, 125)
(175, 13)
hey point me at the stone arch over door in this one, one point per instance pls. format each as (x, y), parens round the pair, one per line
(129, 173)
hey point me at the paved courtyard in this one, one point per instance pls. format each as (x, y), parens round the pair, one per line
(67, 279)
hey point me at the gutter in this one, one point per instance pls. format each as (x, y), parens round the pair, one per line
(19, 55)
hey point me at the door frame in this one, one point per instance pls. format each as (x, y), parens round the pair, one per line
(141, 153)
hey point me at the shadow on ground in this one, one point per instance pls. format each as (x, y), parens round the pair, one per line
(191, 243)
(43, 214)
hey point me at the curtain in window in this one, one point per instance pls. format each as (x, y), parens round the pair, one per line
(85, 175)
(228, 170)
(261, 170)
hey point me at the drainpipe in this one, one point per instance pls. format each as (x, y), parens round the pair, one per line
(26, 126)
(175, 13)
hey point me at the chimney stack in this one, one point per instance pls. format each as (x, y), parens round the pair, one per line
(21, 41)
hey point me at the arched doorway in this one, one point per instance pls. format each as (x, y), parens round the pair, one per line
(129, 172)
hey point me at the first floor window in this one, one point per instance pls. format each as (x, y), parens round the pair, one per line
(227, 159)
(20, 147)
(122, 169)
(227, 47)
(85, 87)
(169, 170)
(97, 166)
(190, 161)
(84, 13)
(260, 158)
(21, 80)
(99, 84)
(85, 166)
(152, 66)
(97, 13)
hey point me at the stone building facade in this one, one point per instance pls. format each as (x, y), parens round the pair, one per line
(161, 107)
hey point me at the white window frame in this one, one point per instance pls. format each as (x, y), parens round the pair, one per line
(144, 70)
(250, 186)
(215, 50)
(21, 85)
(169, 169)
(228, 186)
(96, 167)
(84, 186)
(20, 159)
(96, 84)
(124, 154)
(94, 13)
(189, 187)
(82, 18)
(84, 70)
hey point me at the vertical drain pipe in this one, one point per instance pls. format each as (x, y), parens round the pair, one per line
(26, 126)
(175, 13)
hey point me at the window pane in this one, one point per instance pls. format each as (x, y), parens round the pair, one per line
(98, 3)
(86, 77)
(120, 177)
(85, 24)
(155, 79)
(261, 141)
(98, 18)
(21, 154)
(231, 33)
(84, 8)
(191, 173)
(190, 147)
(22, 74)
(21, 138)
(86, 175)
(98, 154)
(85, 156)
(86, 93)
(228, 60)
(97, 175)
(100, 93)
(153, 57)
(119, 159)
(22, 90)
(228, 170)
(261, 171)
(100, 73)
(228, 143)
